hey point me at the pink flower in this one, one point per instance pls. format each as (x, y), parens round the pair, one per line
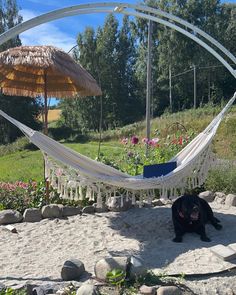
(156, 140)
(145, 140)
(124, 140)
(134, 139)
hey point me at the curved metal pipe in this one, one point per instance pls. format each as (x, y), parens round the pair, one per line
(123, 8)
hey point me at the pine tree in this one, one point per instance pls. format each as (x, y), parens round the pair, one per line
(21, 108)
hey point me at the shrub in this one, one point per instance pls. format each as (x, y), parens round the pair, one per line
(222, 179)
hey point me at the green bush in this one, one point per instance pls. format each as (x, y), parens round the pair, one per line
(222, 179)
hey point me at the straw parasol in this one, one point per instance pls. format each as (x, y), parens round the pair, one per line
(45, 71)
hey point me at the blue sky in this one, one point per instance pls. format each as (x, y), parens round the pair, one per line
(61, 33)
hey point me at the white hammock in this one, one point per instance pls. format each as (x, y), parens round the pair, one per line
(75, 176)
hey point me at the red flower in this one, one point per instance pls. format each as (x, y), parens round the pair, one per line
(134, 139)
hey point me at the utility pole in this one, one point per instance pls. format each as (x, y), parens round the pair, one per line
(149, 76)
(170, 89)
(194, 87)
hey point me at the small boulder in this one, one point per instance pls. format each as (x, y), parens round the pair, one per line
(52, 211)
(70, 211)
(147, 290)
(157, 202)
(169, 290)
(100, 209)
(10, 216)
(230, 200)
(87, 289)
(207, 196)
(136, 268)
(88, 210)
(103, 266)
(32, 215)
(119, 203)
(72, 269)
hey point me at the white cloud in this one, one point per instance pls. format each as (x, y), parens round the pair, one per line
(45, 34)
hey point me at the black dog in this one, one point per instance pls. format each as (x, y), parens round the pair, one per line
(190, 214)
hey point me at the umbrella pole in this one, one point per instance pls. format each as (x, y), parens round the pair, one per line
(46, 132)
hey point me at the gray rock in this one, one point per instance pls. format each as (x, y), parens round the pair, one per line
(87, 289)
(72, 269)
(157, 202)
(219, 199)
(219, 194)
(88, 210)
(169, 290)
(136, 268)
(115, 203)
(230, 200)
(10, 216)
(23, 288)
(32, 215)
(103, 266)
(70, 211)
(147, 290)
(207, 196)
(52, 211)
(100, 209)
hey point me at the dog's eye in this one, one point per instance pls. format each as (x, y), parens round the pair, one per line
(195, 209)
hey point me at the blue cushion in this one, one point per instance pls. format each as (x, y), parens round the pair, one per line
(158, 169)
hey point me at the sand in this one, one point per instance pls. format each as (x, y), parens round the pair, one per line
(37, 252)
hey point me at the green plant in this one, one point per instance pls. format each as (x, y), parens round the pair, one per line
(116, 277)
(10, 291)
(222, 179)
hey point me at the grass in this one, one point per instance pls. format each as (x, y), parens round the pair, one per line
(18, 163)
(26, 164)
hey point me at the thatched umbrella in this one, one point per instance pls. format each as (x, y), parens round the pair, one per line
(44, 71)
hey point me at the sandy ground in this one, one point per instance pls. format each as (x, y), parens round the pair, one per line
(37, 252)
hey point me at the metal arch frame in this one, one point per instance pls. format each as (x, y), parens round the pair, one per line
(127, 9)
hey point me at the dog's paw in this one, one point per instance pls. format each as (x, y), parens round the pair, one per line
(205, 239)
(218, 226)
(177, 239)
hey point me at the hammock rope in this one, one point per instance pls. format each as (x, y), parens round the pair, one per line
(76, 176)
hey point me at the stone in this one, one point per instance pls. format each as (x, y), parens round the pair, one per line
(119, 203)
(72, 269)
(147, 290)
(223, 252)
(88, 210)
(100, 209)
(157, 202)
(230, 200)
(52, 211)
(219, 194)
(23, 288)
(219, 199)
(168, 290)
(103, 266)
(32, 215)
(207, 196)
(70, 211)
(87, 289)
(10, 216)
(232, 246)
(136, 268)
(11, 228)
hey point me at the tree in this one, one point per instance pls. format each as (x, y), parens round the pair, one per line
(23, 109)
(109, 55)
